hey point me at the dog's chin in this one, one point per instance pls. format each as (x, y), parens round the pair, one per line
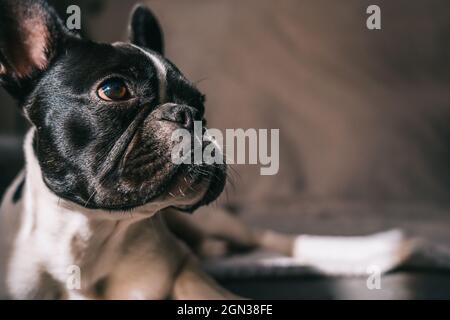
(195, 186)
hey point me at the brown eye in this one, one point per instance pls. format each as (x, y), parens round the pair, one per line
(113, 90)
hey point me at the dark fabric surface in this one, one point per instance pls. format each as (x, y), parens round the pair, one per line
(11, 160)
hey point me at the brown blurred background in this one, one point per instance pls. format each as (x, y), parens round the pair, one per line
(364, 116)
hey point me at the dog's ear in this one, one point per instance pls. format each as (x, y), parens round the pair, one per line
(145, 30)
(30, 36)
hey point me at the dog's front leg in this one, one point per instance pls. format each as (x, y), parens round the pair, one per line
(192, 283)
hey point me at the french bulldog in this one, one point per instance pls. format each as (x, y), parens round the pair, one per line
(99, 192)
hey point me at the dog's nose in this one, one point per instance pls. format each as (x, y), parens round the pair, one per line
(181, 114)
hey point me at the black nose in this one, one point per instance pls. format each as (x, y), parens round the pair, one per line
(181, 114)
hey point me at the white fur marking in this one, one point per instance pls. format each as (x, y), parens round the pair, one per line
(161, 72)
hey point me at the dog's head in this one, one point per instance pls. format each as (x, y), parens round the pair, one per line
(104, 114)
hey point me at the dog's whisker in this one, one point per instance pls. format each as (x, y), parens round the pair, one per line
(200, 81)
(181, 191)
(89, 199)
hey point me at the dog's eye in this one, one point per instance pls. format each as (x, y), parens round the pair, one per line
(113, 90)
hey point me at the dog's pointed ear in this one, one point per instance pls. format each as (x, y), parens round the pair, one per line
(30, 36)
(145, 30)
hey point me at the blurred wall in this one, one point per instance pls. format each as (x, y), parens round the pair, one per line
(362, 114)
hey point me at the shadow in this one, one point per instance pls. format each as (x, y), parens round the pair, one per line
(11, 160)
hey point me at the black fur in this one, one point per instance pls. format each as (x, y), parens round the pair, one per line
(145, 30)
(15, 54)
(99, 154)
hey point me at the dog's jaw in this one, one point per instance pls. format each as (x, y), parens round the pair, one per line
(41, 197)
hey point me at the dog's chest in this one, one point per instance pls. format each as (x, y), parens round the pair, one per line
(78, 260)
(65, 254)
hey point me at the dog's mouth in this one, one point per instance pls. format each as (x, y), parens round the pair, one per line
(190, 187)
(196, 185)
